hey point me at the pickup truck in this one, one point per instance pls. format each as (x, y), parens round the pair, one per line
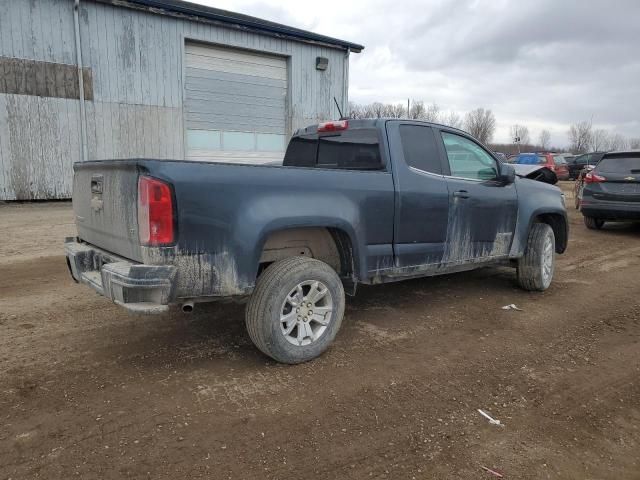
(354, 201)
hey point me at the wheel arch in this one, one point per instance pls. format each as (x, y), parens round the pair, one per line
(333, 244)
(558, 223)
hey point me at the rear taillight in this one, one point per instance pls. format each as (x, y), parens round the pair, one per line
(155, 212)
(594, 178)
(334, 126)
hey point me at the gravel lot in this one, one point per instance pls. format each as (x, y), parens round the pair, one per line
(88, 391)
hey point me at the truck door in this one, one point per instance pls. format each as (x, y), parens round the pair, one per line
(482, 211)
(422, 198)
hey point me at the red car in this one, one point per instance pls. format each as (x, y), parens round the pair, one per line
(558, 164)
(553, 161)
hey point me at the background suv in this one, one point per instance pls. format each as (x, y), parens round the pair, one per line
(612, 189)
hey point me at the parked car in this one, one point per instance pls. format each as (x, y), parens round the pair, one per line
(553, 161)
(578, 163)
(562, 170)
(612, 189)
(357, 201)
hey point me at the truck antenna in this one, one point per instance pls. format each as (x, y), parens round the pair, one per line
(342, 117)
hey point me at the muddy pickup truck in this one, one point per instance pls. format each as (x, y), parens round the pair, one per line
(357, 201)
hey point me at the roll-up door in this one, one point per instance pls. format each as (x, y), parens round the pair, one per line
(235, 105)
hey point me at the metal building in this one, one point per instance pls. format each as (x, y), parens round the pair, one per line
(102, 79)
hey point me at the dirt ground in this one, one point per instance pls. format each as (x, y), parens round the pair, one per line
(88, 391)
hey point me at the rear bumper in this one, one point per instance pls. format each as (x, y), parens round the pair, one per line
(137, 287)
(611, 210)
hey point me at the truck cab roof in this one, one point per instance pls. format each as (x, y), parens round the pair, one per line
(372, 123)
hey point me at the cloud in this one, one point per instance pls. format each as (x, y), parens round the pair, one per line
(541, 63)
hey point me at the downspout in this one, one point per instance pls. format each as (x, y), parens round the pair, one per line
(345, 83)
(83, 113)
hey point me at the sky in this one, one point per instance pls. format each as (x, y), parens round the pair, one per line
(540, 63)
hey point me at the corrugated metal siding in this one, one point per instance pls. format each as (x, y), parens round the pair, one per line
(39, 136)
(137, 63)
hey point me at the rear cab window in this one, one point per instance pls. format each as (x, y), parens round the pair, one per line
(351, 149)
(357, 149)
(302, 151)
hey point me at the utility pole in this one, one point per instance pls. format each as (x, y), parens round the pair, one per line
(408, 108)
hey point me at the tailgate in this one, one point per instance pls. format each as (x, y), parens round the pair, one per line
(105, 206)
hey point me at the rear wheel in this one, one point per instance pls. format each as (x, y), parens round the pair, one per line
(593, 223)
(535, 269)
(296, 309)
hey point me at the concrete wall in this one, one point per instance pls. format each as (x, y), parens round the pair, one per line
(136, 61)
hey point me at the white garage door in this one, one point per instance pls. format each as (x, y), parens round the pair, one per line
(235, 105)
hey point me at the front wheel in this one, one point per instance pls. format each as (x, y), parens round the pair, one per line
(593, 223)
(535, 269)
(295, 310)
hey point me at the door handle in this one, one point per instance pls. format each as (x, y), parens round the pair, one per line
(461, 194)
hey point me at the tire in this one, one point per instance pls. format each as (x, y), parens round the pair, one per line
(535, 269)
(275, 307)
(593, 223)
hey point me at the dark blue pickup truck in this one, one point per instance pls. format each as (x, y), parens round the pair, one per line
(357, 201)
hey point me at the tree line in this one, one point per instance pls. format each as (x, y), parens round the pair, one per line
(583, 137)
(481, 123)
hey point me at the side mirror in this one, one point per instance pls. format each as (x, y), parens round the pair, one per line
(507, 174)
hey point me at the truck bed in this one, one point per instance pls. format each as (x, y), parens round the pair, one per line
(225, 213)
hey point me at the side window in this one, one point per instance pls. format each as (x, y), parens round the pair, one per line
(356, 149)
(419, 147)
(467, 159)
